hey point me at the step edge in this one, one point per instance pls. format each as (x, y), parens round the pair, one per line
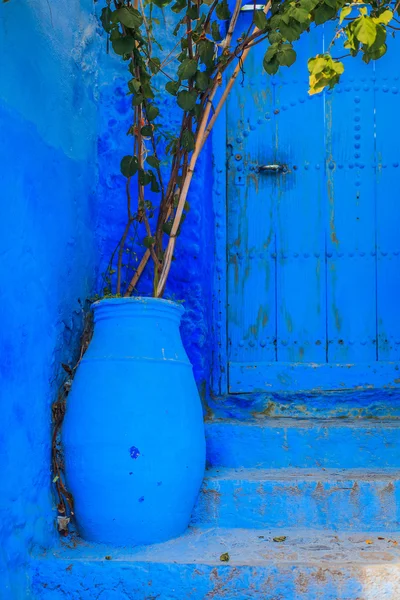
(290, 473)
(295, 423)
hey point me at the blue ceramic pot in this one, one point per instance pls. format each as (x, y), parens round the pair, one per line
(133, 432)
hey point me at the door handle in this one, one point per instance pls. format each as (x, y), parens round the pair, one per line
(276, 168)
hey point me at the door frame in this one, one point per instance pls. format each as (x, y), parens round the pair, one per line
(219, 367)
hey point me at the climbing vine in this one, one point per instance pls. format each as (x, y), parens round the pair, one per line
(207, 56)
(199, 72)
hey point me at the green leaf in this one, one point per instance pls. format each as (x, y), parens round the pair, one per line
(134, 86)
(323, 13)
(188, 140)
(260, 20)
(167, 227)
(187, 68)
(154, 64)
(115, 34)
(129, 166)
(378, 48)
(222, 10)
(129, 16)
(106, 19)
(351, 43)
(374, 54)
(123, 45)
(271, 67)
(153, 161)
(344, 13)
(206, 52)
(187, 100)
(178, 6)
(365, 30)
(292, 31)
(301, 15)
(138, 99)
(202, 80)
(154, 183)
(172, 87)
(152, 112)
(144, 177)
(147, 91)
(285, 18)
(309, 5)
(274, 37)
(271, 53)
(193, 12)
(286, 55)
(146, 131)
(215, 32)
(161, 3)
(148, 241)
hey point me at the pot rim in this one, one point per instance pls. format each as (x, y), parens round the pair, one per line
(145, 301)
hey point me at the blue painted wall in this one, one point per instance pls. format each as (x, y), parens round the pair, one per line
(64, 116)
(191, 274)
(48, 63)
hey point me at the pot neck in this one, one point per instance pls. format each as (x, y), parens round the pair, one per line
(137, 308)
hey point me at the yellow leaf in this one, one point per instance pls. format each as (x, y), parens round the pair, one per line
(343, 13)
(224, 557)
(384, 18)
(369, 542)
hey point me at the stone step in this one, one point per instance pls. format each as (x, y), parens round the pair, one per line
(308, 443)
(322, 499)
(307, 565)
(355, 403)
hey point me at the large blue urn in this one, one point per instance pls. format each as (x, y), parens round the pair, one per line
(133, 432)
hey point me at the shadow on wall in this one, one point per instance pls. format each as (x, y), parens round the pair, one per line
(48, 161)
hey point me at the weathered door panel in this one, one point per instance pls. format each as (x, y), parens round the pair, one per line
(251, 237)
(307, 290)
(351, 252)
(386, 83)
(298, 197)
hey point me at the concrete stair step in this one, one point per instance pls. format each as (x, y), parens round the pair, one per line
(306, 565)
(348, 499)
(303, 443)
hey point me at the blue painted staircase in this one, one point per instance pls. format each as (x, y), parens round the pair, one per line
(290, 509)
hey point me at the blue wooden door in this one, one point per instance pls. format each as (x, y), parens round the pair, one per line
(313, 227)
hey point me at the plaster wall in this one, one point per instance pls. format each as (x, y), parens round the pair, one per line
(64, 114)
(48, 56)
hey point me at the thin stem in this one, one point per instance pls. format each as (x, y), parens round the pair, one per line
(182, 197)
(236, 12)
(230, 83)
(124, 236)
(138, 273)
(201, 136)
(209, 14)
